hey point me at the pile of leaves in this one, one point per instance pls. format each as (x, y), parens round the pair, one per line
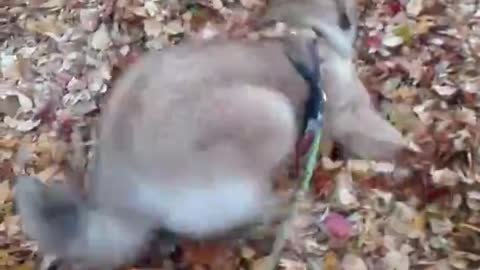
(420, 59)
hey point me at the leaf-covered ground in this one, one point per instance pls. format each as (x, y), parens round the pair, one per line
(420, 59)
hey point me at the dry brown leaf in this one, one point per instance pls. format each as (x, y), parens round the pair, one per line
(9, 142)
(262, 263)
(330, 261)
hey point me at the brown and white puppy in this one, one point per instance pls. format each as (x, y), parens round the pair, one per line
(188, 142)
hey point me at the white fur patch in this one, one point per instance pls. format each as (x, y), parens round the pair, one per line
(204, 209)
(109, 241)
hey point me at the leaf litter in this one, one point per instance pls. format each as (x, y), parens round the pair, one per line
(421, 58)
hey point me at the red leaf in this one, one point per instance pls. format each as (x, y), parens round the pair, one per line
(322, 182)
(65, 129)
(337, 226)
(373, 41)
(436, 193)
(393, 7)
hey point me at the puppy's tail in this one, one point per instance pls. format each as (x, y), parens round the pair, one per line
(64, 225)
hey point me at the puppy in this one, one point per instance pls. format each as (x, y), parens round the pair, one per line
(190, 137)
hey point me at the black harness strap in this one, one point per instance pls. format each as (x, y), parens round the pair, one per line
(314, 103)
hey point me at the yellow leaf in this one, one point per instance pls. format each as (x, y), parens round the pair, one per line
(6, 209)
(405, 92)
(330, 261)
(4, 258)
(419, 222)
(48, 26)
(404, 32)
(403, 118)
(4, 191)
(25, 266)
(423, 25)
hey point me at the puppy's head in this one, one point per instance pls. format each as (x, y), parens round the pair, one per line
(335, 20)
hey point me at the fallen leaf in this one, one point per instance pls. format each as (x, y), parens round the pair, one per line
(21, 125)
(344, 196)
(215, 255)
(423, 25)
(262, 263)
(29, 265)
(440, 226)
(395, 260)
(473, 200)
(174, 28)
(445, 90)
(337, 226)
(101, 38)
(12, 224)
(445, 177)
(10, 67)
(9, 142)
(414, 7)
(247, 253)
(152, 27)
(353, 262)
(392, 40)
(4, 191)
(249, 4)
(53, 4)
(49, 26)
(292, 265)
(403, 221)
(5, 259)
(330, 261)
(403, 31)
(89, 19)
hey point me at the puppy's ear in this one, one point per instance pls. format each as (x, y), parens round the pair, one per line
(335, 20)
(308, 13)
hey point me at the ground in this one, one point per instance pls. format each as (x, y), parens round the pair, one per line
(420, 60)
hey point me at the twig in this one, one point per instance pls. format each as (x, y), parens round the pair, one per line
(468, 226)
(282, 233)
